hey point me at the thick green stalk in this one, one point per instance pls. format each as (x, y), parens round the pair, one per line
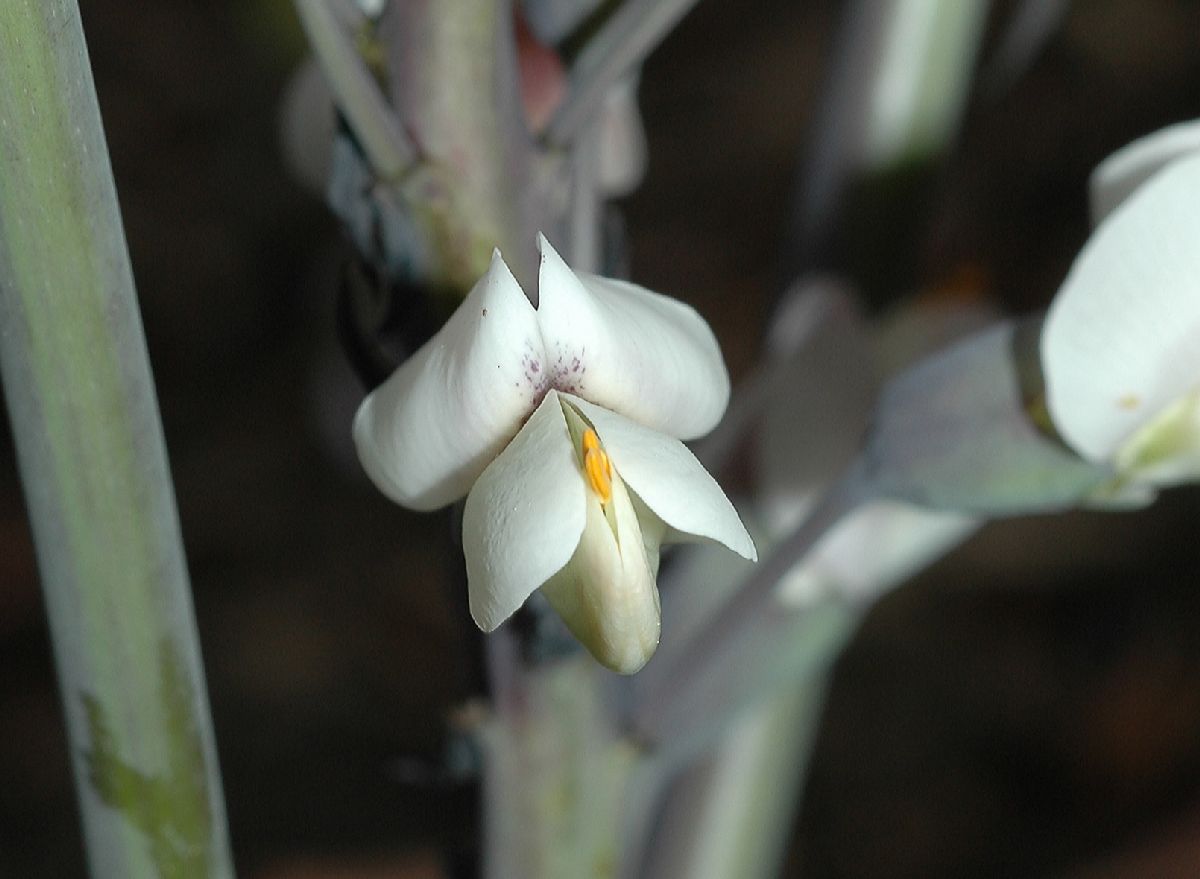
(558, 779)
(482, 183)
(92, 460)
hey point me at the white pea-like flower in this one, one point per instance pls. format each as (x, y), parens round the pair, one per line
(1121, 343)
(562, 426)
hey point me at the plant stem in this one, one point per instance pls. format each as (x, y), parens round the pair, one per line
(556, 777)
(731, 814)
(358, 95)
(623, 42)
(93, 463)
(896, 97)
(481, 182)
(676, 678)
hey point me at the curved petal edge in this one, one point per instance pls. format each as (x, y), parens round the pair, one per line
(426, 433)
(669, 480)
(1120, 339)
(524, 517)
(647, 356)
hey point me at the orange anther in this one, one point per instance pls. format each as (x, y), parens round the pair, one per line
(597, 466)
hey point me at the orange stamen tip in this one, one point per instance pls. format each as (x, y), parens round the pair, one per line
(597, 466)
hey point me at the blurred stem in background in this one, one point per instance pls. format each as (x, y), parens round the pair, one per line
(93, 464)
(894, 103)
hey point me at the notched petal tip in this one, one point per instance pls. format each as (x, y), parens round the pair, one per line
(426, 434)
(499, 277)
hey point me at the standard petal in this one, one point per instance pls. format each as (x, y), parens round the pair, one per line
(1115, 179)
(426, 434)
(524, 516)
(668, 479)
(649, 357)
(1122, 338)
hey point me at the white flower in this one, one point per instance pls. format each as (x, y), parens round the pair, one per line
(1121, 343)
(1120, 175)
(562, 425)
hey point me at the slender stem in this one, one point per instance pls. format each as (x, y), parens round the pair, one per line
(682, 670)
(452, 75)
(622, 43)
(731, 814)
(504, 671)
(357, 93)
(586, 207)
(92, 460)
(896, 95)
(1029, 29)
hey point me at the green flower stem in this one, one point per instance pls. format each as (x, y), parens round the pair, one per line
(731, 814)
(452, 75)
(676, 686)
(633, 32)
(92, 460)
(924, 65)
(894, 102)
(557, 778)
(357, 93)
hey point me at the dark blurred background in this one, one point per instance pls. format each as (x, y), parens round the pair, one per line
(1029, 706)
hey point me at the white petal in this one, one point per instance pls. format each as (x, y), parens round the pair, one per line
(668, 479)
(426, 434)
(1122, 338)
(1167, 450)
(524, 516)
(1114, 179)
(606, 594)
(649, 357)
